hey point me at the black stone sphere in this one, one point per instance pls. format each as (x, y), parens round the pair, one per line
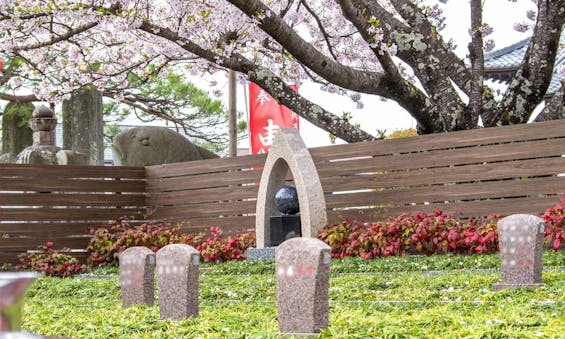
(286, 200)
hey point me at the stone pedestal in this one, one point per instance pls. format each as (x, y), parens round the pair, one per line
(284, 227)
(265, 253)
(177, 279)
(302, 267)
(137, 276)
(520, 239)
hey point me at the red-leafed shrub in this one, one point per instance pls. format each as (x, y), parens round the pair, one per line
(110, 240)
(481, 234)
(418, 233)
(555, 224)
(217, 248)
(54, 263)
(343, 238)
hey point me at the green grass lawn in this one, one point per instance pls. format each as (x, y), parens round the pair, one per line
(443, 296)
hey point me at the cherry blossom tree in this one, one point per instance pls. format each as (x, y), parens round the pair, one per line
(388, 48)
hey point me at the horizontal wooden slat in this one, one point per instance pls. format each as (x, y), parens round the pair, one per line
(47, 199)
(499, 189)
(71, 171)
(204, 181)
(78, 185)
(68, 228)
(70, 214)
(9, 257)
(207, 209)
(461, 209)
(474, 155)
(205, 166)
(427, 176)
(231, 224)
(11, 244)
(203, 195)
(485, 136)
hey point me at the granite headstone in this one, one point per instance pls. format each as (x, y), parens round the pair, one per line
(303, 269)
(520, 239)
(137, 275)
(177, 280)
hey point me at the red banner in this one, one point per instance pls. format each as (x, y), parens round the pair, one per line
(266, 117)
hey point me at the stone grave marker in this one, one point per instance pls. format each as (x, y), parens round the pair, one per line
(520, 239)
(303, 271)
(177, 281)
(137, 275)
(83, 124)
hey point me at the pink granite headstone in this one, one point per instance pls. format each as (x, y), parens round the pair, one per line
(177, 280)
(303, 271)
(520, 239)
(137, 275)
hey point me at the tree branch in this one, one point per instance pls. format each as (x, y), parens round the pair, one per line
(18, 98)
(326, 67)
(271, 83)
(58, 38)
(320, 26)
(406, 94)
(555, 107)
(477, 67)
(531, 80)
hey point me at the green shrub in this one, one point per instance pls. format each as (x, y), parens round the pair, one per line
(53, 263)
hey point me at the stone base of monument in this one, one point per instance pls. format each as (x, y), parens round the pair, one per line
(498, 287)
(21, 335)
(284, 227)
(266, 253)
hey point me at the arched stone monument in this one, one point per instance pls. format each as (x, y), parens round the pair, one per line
(288, 152)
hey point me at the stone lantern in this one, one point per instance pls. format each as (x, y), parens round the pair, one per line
(43, 150)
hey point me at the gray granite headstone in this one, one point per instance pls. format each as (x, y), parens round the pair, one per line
(303, 271)
(177, 280)
(520, 239)
(137, 275)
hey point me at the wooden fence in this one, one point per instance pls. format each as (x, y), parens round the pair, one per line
(59, 203)
(505, 170)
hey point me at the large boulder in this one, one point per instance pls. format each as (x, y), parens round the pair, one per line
(151, 145)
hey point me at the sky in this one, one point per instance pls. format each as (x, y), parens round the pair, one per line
(379, 114)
